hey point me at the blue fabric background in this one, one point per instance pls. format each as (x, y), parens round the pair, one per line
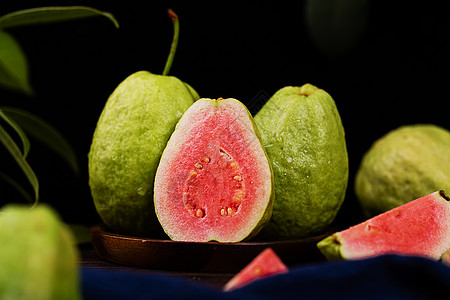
(383, 277)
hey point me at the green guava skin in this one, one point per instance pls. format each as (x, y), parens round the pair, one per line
(406, 163)
(446, 257)
(304, 138)
(131, 134)
(330, 247)
(38, 255)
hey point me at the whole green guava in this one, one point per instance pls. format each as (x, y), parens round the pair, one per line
(131, 134)
(406, 163)
(38, 255)
(302, 132)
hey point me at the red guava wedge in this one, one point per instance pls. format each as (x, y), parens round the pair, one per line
(214, 181)
(420, 227)
(267, 263)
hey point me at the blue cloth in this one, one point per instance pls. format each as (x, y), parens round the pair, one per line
(383, 277)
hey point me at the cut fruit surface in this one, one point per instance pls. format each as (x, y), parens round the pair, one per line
(214, 180)
(267, 263)
(420, 227)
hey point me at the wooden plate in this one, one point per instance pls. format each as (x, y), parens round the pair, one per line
(197, 257)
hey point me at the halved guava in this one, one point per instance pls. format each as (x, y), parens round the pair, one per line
(214, 180)
(267, 263)
(420, 227)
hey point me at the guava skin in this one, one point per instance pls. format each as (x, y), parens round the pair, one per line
(330, 247)
(38, 255)
(131, 134)
(304, 138)
(406, 163)
(446, 257)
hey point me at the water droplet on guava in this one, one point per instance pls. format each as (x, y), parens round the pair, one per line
(140, 191)
(279, 137)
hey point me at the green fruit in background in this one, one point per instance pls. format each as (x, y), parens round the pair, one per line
(406, 163)
(38, 255)
(303, 135)
(131, 134)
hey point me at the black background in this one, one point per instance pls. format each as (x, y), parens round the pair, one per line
(396, 73)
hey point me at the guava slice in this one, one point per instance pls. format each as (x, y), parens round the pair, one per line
(131, 134)
(303, 135)
(267, 263)
(38, 255)
(214, 181)
(420, 227)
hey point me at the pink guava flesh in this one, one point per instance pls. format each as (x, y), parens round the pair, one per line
(420, 227)
(267, 263)
(214, 180)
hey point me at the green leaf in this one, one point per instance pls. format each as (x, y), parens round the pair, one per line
(11, 146)
(43, 132)
(13, 65)
(22, 135)
(16, 186)
(42, 15)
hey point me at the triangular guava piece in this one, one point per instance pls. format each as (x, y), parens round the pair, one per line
(420, 227)
(267, 263)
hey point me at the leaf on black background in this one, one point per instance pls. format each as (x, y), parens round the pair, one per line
(14, 150)
(19, 131)
(13, 65)
(45, 133)
(22, 191)
(43, 15)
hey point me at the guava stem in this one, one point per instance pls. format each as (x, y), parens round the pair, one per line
(173, 48)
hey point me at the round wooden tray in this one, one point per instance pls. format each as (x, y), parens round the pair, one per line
(195, 256)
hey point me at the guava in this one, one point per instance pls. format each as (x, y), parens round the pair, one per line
(406, 163)
(131, 134)
(266, 264)
(302, 132)
(214, 181)
(38, 255)
(445, 258)
(420, 227)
